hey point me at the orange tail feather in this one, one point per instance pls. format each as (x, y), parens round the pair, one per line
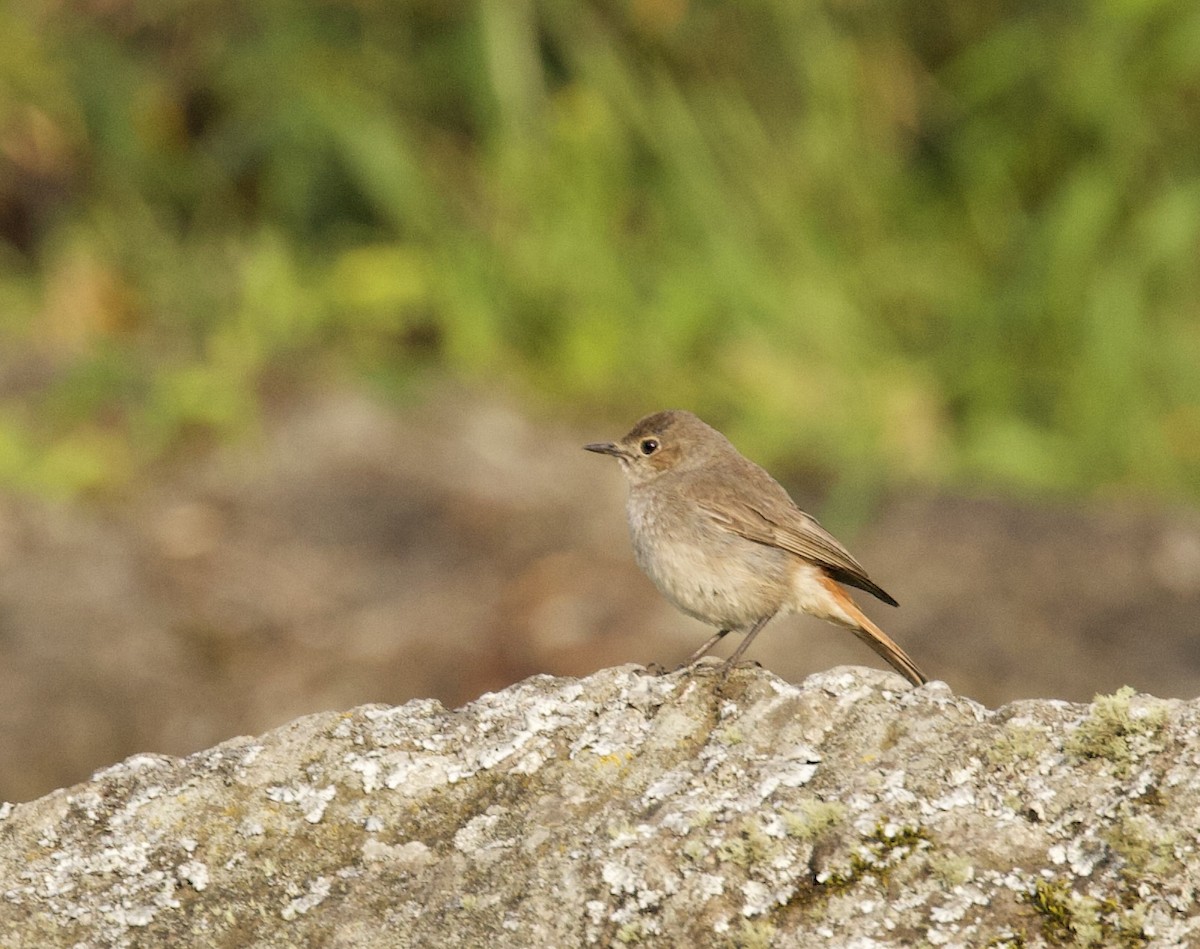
(875, 637)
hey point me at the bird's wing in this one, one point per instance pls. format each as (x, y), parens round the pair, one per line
(779, 523)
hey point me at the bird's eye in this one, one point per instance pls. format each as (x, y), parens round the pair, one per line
(649, 446)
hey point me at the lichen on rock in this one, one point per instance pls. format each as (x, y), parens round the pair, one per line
(629, 808)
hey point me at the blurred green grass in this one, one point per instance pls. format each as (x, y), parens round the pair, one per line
(883, 243)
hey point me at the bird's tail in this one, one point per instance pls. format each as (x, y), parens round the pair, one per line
(875, 637)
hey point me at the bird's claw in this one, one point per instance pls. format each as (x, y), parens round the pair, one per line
(728, 667)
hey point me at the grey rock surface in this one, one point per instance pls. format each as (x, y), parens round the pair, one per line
(633, 809)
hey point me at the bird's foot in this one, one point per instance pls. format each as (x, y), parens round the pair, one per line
(728, 666)
(693, 666)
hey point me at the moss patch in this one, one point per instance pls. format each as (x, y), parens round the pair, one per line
(1085, 922)
(886, 847)
(1118, 731)
(811, 817)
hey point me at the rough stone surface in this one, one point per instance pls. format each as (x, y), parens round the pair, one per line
(633, 809)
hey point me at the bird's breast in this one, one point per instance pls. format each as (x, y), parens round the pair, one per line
(703, 568)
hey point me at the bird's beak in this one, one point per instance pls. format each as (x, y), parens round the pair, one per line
(605, 448)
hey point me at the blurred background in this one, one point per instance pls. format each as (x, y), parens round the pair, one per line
(306, 308)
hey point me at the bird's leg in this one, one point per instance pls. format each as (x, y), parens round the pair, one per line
(703, 650)
(744, 644)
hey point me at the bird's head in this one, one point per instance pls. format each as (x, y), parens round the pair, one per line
(663, 442)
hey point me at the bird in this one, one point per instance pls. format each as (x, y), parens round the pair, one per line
(725, 543)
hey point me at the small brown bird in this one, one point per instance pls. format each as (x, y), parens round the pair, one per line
(723, 541)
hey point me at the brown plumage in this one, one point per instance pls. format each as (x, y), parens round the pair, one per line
(725, 543)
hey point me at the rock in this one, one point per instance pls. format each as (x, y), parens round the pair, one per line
(629, 808)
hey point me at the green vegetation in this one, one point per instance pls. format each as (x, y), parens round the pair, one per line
(877, 856)
(811, 817)
(1085, 922)
(946, 242)
(754, 934)
(1015, 743)
(1115, 732)
(1147, 847)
